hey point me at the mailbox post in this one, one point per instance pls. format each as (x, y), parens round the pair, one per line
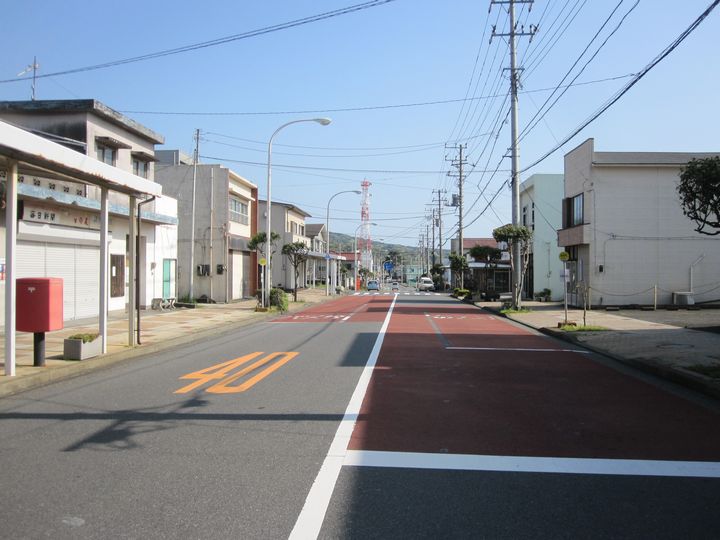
(39, 308)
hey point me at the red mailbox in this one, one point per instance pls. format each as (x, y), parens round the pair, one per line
(39, 305)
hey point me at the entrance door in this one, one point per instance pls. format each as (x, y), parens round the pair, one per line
(169, 266)
(237, 275)
(117, 276)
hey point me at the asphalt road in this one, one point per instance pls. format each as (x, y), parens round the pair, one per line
(120, 454)
(373, 416)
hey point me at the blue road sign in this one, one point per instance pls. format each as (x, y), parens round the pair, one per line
(388, 265)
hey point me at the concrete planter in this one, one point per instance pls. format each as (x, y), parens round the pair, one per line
(75, 349)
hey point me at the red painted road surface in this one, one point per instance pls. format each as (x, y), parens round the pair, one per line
(426, 397)
(346, 309)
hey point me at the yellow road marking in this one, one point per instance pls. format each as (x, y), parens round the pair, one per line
(223, 388)
(223, 371)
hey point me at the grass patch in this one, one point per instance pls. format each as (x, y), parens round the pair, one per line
(86, 338)
(510, 311)
(581, 328)
(708, 371)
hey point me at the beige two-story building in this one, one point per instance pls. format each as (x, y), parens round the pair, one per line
(221, 267)
(624, 229)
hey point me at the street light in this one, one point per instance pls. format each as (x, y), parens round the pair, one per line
(327, 228)
(268, 232)
(355, 265)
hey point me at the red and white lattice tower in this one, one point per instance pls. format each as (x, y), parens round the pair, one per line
(364, 241)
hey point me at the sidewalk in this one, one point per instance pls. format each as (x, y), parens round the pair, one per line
(159, 330)
(665, 343)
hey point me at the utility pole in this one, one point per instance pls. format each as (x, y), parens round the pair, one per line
(514, 84)
(458, 164)
(427, 245)
(432, 223)
(440, 200)
(192, 214)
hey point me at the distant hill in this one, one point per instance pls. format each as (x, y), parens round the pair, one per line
(344, 242)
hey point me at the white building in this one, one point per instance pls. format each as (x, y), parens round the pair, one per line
(625, 231)
(540, 209)
(59, 219)
(223, 267)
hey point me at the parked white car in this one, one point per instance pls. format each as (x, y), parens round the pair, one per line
(425, 284)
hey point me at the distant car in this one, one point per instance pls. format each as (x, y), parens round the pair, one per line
(395, 286)
(425, 284)
(373, 285)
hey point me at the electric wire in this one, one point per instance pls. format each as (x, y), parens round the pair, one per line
(663, 54)
(540, 114)
(210, 43)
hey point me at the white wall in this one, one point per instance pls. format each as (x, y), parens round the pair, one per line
(642, 239)
(546, 191)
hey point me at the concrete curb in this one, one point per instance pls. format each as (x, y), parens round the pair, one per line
(681, 376)
(46, 376)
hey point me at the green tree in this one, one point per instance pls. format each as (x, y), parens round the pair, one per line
(514, 235)
(436, 271)
(488, 255)
(258, 241)
(297, 253)
(458, 266)
(699, 191)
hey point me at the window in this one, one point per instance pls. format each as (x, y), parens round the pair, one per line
(106, 154)
(239, 211)
(577, 210)
(532, 218)
(524, 216)
(573, 213)
(140, 167)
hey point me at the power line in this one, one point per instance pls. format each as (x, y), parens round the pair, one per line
(361, 148)
(670, 48)
(361, 108)
(533, 63)
(398, 152)
(540, 113)
(321, 168)
(214, 42)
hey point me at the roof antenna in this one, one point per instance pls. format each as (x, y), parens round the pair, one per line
(34, 67)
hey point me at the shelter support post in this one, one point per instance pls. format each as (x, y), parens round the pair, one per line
(103, 319)
(10, 285)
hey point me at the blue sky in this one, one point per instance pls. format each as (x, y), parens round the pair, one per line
(403, 52)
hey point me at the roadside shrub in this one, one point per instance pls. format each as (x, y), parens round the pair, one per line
(86, 338)
(279, 298)
(460, 293)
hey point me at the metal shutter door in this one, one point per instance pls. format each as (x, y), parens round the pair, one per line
(39, 259)
(60, 262)
(87, 281)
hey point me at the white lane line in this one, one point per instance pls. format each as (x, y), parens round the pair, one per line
(312, 515)
(631, 467)
(515, 349)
